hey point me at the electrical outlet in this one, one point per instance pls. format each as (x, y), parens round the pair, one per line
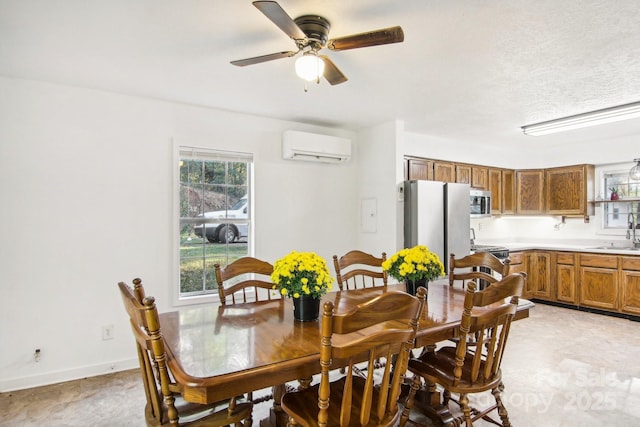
(107, 332)
(37, 355)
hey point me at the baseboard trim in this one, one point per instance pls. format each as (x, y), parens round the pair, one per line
(7, 385)
(631, 317)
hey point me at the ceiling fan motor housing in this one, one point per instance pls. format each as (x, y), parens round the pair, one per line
(315, 27)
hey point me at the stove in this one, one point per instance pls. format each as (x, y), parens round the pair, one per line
(499, 251)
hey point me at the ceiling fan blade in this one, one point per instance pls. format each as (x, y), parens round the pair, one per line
(263, 58)
(371, 38)
(278, 16)
(331, 72)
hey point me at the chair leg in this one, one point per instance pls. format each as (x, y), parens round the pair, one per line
(172, 412)
(231, 409)
(502, 411)
(304, 383)
(446, 396)
(408, 403)
(249, 420)
(466, 410)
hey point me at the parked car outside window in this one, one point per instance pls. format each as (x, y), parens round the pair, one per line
(225, 232)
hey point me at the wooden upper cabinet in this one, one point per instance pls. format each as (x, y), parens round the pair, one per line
(508, 192)
(555, 191)
(530, 192)
(495, 186)
(444, 171)
(420, 169)
(463, 174)
(480, 177)
(568, 190)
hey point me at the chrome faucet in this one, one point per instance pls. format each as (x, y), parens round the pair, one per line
(631, 231)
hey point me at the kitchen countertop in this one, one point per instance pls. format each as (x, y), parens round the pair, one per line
(618, 248)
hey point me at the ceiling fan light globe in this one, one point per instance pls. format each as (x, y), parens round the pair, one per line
(309, 67)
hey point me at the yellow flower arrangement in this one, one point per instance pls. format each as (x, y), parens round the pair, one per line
(301, 273)
(414, 264)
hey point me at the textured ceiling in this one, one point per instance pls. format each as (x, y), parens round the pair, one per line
(468, 69)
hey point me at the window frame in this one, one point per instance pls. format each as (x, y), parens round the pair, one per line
(603, 194)
(178, 147)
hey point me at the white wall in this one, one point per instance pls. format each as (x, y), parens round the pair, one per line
(86, 180)
(459, 151)
(377, 149)
(546, 154)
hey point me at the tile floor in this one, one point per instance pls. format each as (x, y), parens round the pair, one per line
(562, 368)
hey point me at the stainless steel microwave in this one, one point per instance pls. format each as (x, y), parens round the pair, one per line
(480, 203)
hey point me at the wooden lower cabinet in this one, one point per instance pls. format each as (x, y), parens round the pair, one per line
(599, 281)
(516, 262)
(565, 270)
(630, 284)
(538, 268)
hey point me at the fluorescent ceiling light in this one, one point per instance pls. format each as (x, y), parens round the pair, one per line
(598, 117)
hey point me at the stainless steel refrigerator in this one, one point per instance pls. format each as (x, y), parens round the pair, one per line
(437, 214)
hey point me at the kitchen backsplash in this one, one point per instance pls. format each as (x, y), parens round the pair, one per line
(541, 229)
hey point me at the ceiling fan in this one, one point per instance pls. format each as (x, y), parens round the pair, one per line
(311, 34)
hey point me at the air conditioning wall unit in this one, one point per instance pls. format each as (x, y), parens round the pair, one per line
(313, 147)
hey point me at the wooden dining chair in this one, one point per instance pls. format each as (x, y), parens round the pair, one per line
(246, 279)
(487, 315)
(165, 405)
(383, 326)
(480, 267)
(357, 269)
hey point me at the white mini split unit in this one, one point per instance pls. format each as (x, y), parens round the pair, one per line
(313, 147)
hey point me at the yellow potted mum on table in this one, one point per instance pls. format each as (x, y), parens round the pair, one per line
(305, 277)
(414, 266)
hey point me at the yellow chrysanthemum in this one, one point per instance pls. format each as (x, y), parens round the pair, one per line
(414, 264)
(301, 273)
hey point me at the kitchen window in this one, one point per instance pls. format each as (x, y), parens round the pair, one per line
(215, 223)
(625, 200)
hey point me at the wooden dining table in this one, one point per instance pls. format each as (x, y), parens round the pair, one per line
(216, 352)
